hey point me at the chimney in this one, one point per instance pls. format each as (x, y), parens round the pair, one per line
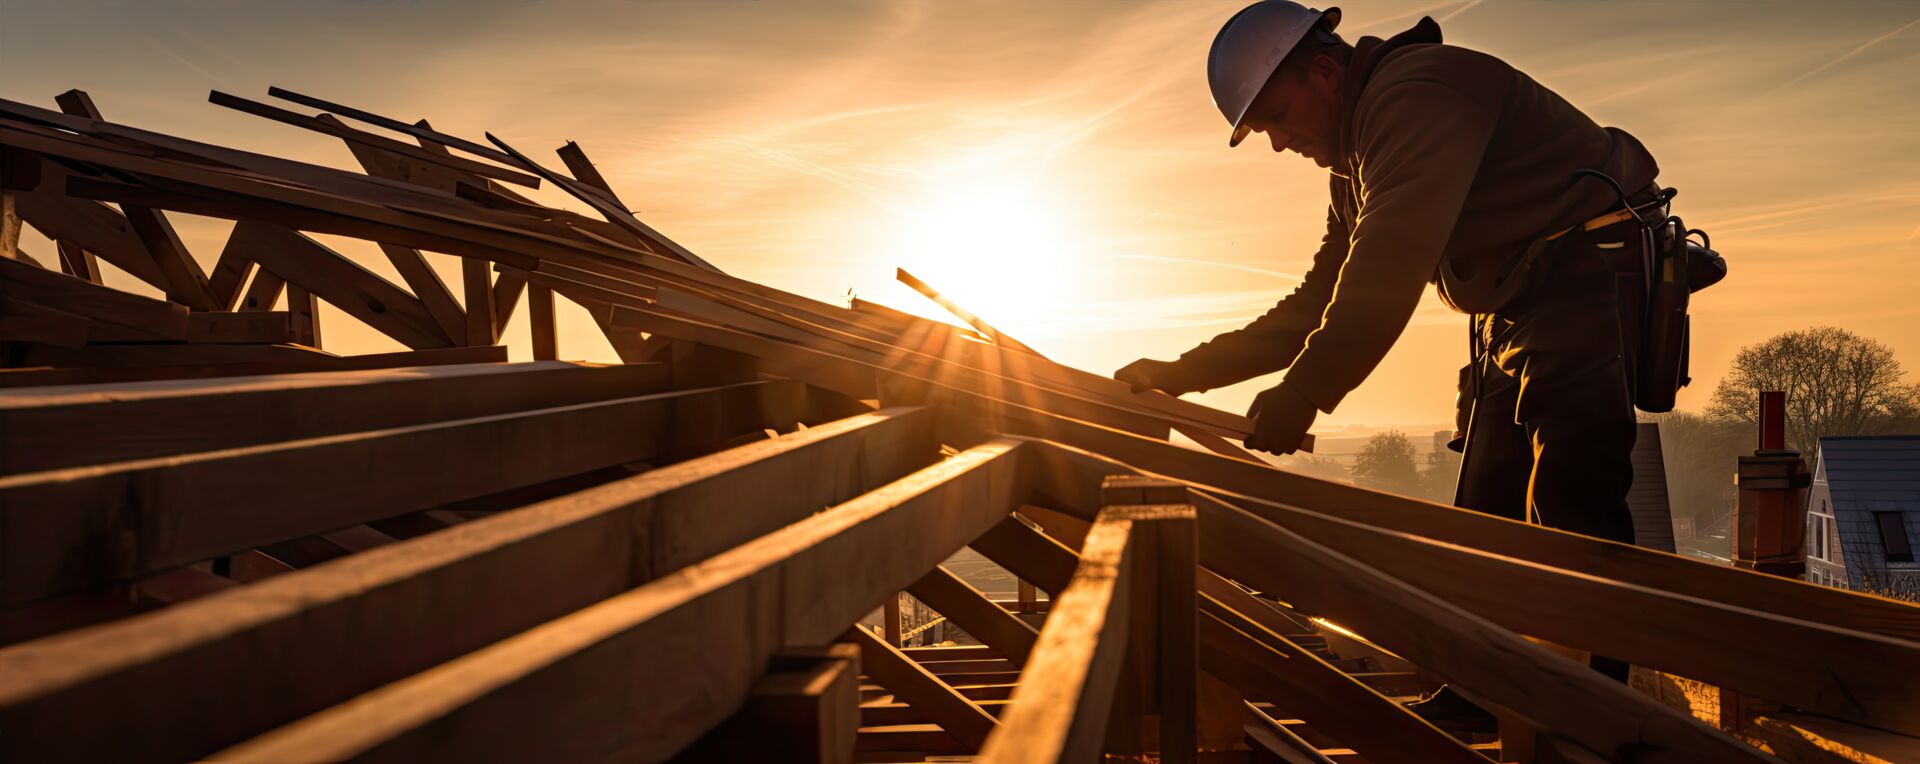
(1770, 522)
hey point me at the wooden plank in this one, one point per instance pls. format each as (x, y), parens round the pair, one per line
(842, 374)
(248, 328)
(535, 696)
(506, 298)
(979, 324)
(230, 273)
(264, 292)
(968, 607)
(1464, 648)
(26, 321)
(961, 718)
(1029, 554)
(92, 226)
(360, 139)
(151, 514)
(546, 337)
(496, 577)
(303, 312)
(1531, 543)
(78, 262)
(67, 426)
(357, 291)
(93, 301)
(805, 710)
(298, 360)
(583, 170)
(475, 276)
(394, 164)
(1059, 710)
(1244, 647)
(185, 282)
(890, 620)
(1854, 677)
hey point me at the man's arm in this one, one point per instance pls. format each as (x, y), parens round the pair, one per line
(1420, 145)
(1269, 343)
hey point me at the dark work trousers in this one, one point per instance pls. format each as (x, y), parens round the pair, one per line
(1552, 434)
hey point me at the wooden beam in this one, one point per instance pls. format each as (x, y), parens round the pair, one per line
(94, 227)
(78, 296)
(476, 279)
(27, 321)
(532, 697)
(151, 514)
(362, 294)
(1730, 646)
(1243, 647)
(185, 282)
(1522, 541)
(377, 616)
(303, 309)
(77, 261)
(506, 298)
(909, 681)
(979, 324)
(1164, 530)
(546, 337)
(972, 611)
(805, 710)
(55, 427)
(296, 360)
(1555, 694)
(1029, 554)
(1059, 710)
(363, 140)
(264, 292)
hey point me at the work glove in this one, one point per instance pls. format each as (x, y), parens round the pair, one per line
(1169, 377)
(1281, 416)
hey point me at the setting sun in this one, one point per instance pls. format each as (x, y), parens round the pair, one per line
(1002, 246)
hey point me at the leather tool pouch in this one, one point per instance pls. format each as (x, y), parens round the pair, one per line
(1677, 268)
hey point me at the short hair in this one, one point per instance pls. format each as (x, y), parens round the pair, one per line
(1318, 40)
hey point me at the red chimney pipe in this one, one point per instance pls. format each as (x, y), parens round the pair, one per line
(1769, 524)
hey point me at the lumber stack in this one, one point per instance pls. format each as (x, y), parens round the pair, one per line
(220, 540)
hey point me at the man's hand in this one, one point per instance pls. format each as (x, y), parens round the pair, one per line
(1148, 374)
(1281, 416)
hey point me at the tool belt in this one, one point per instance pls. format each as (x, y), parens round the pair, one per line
(1660, 247)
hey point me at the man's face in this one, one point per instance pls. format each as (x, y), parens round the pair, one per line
(1300, 111)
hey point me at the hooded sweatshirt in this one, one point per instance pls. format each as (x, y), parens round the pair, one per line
(1452, 159)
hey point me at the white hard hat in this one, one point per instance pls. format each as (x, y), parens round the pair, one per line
(1248, 50)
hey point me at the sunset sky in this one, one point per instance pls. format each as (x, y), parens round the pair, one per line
(1057, 166)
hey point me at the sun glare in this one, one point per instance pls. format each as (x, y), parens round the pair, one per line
(1002, 248)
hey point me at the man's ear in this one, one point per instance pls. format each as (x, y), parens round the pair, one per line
(1326, 72)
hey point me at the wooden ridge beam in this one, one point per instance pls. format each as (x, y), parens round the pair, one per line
(1059, 709)
(56, 427)
(380, 615)
(75, 527)
(536, 696)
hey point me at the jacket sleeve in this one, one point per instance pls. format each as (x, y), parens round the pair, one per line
(1419, 146)
(1269, 343)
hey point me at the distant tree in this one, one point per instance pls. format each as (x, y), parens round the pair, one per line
(1837, 383)
(1322, 467)
(1386, 463)
(1439, 474)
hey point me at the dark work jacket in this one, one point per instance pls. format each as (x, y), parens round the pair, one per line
(1451, 159)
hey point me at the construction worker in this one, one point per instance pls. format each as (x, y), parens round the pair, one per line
(1448, 166)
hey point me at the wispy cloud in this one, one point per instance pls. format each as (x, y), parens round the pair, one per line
(1857, 50)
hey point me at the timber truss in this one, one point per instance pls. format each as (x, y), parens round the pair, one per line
(218, 540)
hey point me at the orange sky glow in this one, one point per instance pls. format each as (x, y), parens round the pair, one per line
(1057, 167)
